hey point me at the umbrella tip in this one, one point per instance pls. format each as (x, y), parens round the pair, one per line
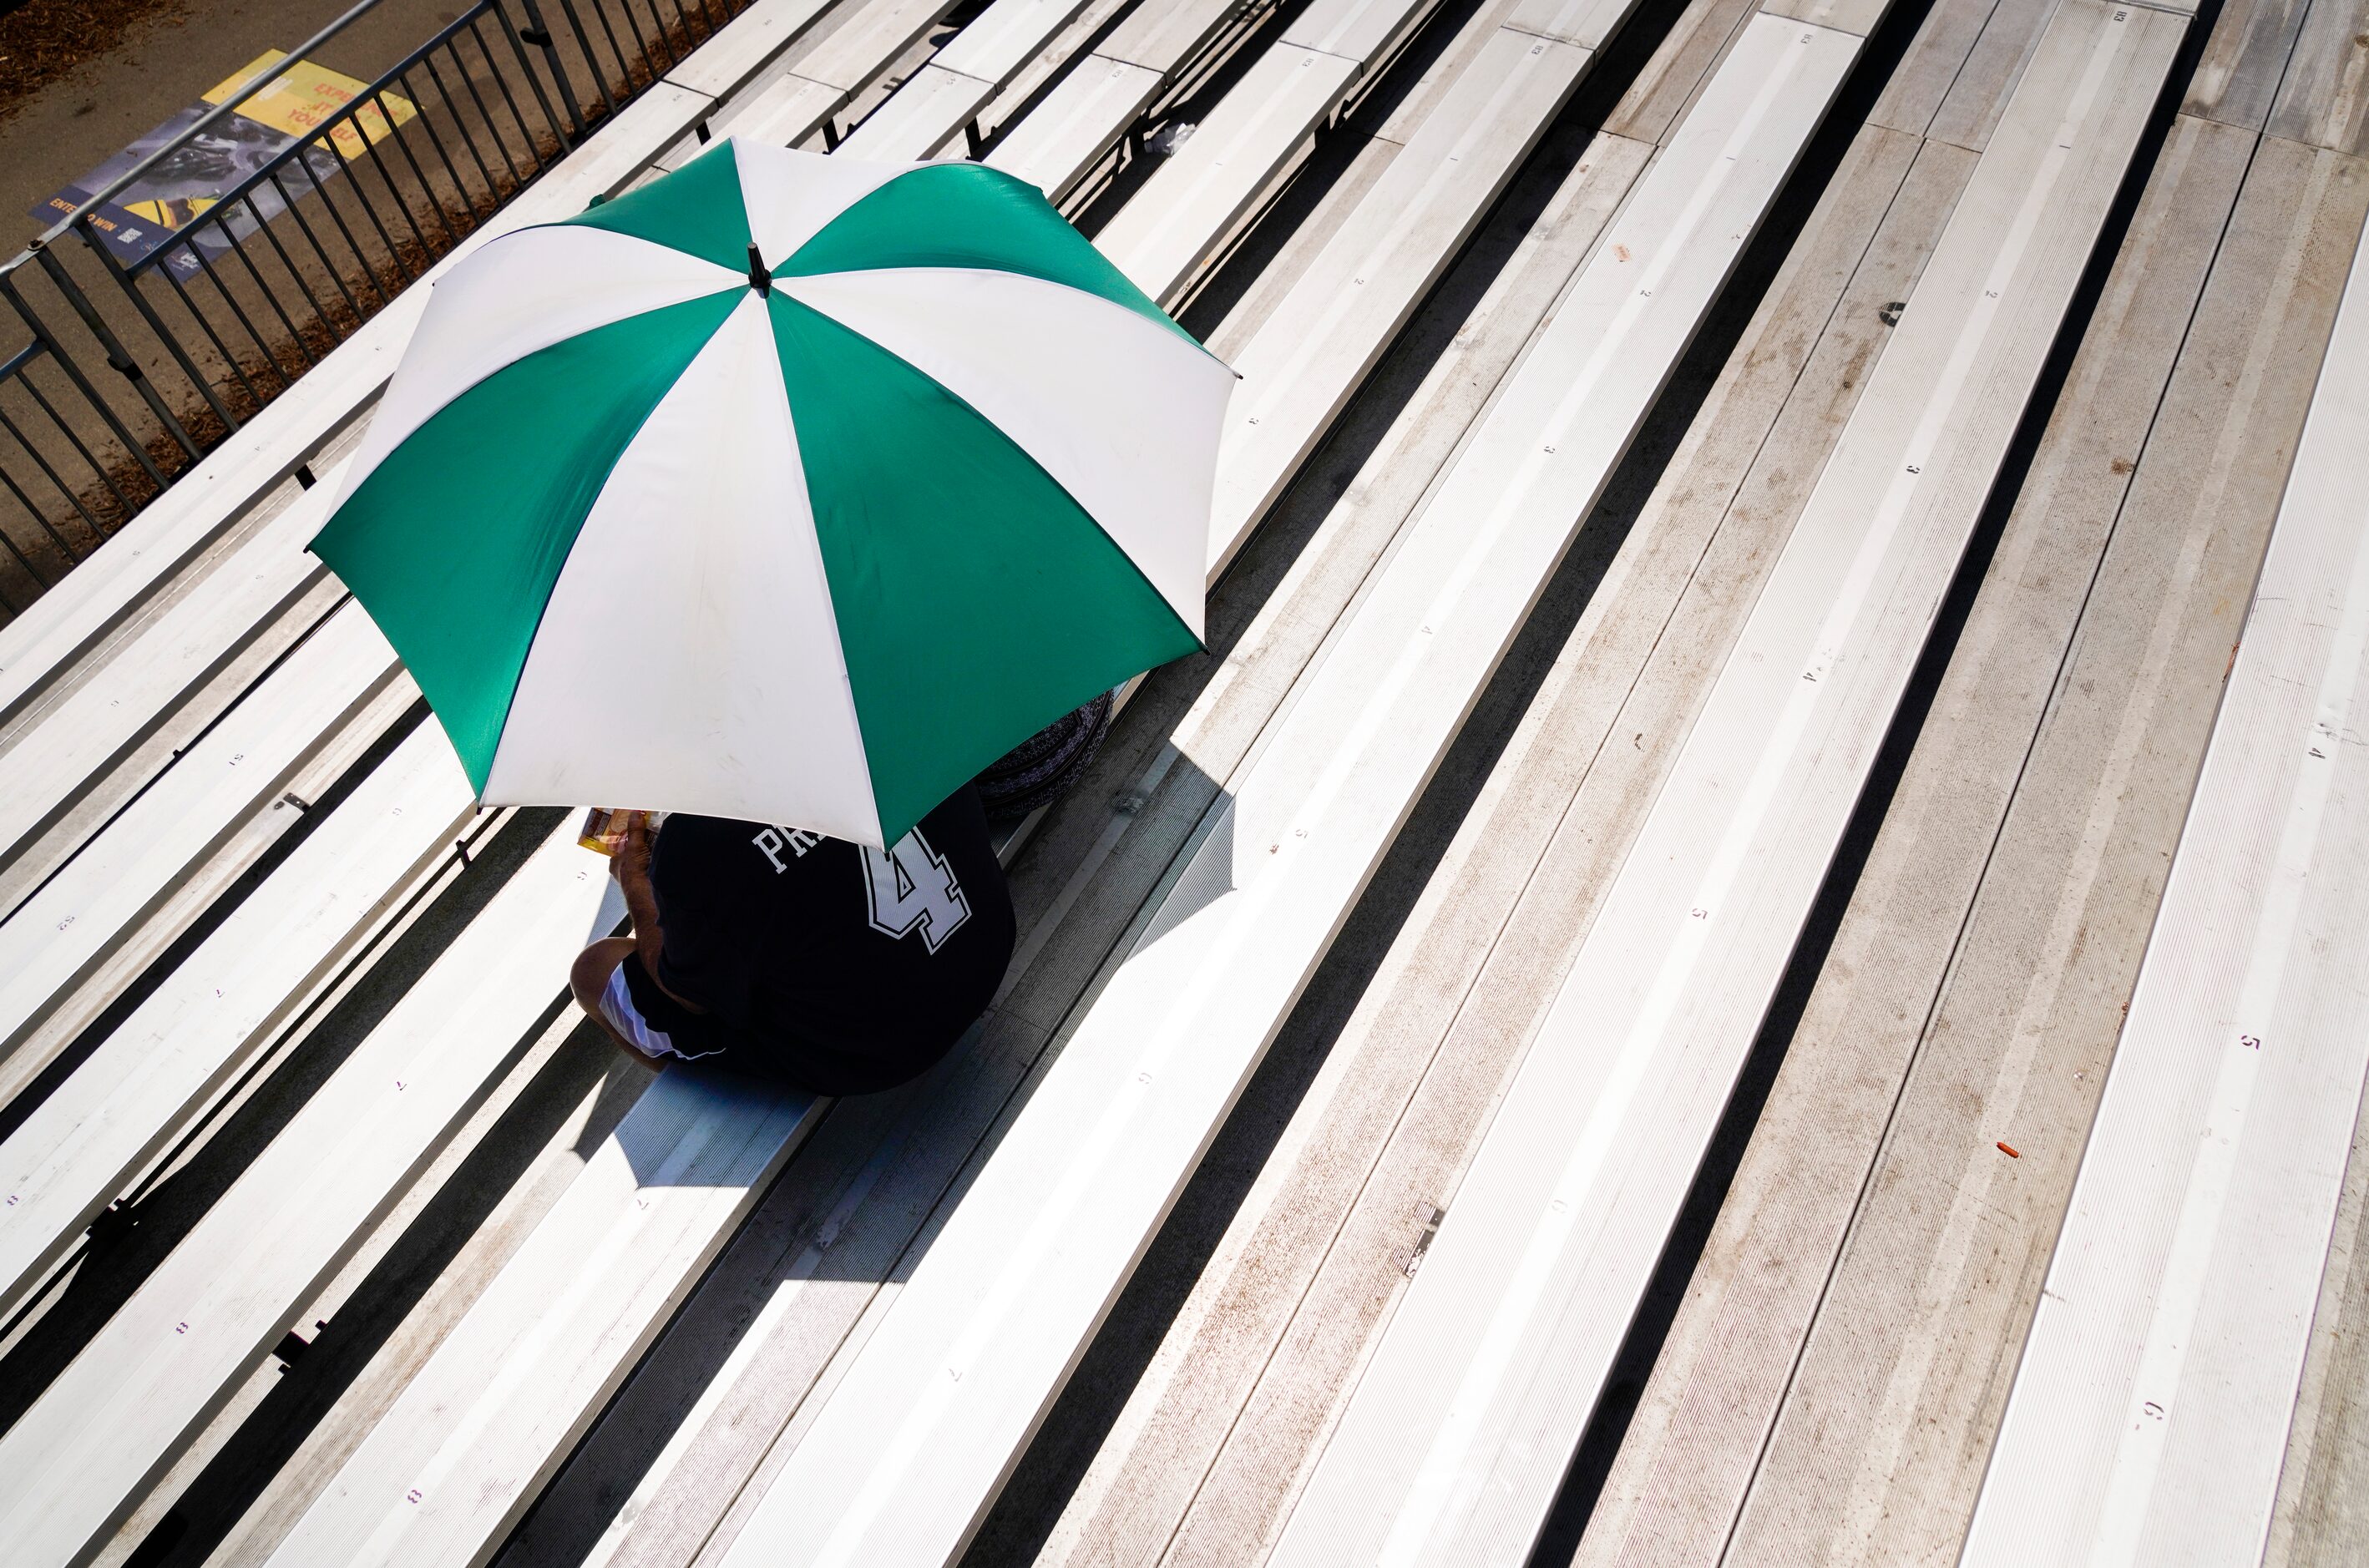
(758, 279)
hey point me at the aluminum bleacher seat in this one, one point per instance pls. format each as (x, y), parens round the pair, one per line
(2149, 1419)
(1476, 1396)
(947, 94)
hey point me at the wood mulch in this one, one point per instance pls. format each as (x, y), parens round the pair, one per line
(40, 40)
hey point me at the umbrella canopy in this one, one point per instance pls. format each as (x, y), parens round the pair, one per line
(786, 487)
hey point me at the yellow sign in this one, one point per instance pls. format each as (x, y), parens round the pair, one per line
(304, 95)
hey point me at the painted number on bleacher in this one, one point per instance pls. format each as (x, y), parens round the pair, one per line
(913, 888)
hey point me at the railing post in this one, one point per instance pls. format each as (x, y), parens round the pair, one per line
(535, 33)
(125, 366)
(130, 288)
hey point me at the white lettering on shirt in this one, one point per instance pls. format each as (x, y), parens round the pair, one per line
(771, 841)
(912, 888)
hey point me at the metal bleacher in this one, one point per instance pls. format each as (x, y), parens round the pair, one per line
(1508, 1334)
(1569, 1036)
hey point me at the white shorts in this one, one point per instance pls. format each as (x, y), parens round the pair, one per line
(617, 1007)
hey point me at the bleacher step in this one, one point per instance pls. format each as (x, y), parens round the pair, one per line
(2148, 1419)
(1479, 1389)
(960, 1367)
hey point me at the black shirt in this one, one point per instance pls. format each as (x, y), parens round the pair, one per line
(861, 968)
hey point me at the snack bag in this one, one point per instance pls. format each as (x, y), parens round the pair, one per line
(604, 828)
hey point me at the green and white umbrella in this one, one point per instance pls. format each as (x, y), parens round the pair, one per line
(788, 487)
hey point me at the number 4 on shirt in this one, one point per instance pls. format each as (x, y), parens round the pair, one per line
(912, 888)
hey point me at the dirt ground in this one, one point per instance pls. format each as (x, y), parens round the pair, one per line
(84, 78)
(40, 40)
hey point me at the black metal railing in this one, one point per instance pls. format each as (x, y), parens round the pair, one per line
(161, 332)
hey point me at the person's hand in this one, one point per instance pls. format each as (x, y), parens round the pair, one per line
(632, 865)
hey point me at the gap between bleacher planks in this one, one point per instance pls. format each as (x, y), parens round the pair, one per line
(2151, 1412)
(1881, 1434)
(1475, 1397)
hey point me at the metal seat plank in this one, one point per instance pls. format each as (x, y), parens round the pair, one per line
(870, 42)
(1197, 196)
(935, 104)
(178, 837)
(744, 46)
(997, 44)
(79, 1459)
(2148, 1419)
(1474, 1399)
(1860, 16)
(782, 111)
(1081, 119)
(1165, 37)
(79, 1148)
(947, 94)
(798, 96)
(1329, 331)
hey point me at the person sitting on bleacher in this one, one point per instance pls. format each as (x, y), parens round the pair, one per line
(817, 962)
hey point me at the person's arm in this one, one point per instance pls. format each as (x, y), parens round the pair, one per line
(632, 868)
